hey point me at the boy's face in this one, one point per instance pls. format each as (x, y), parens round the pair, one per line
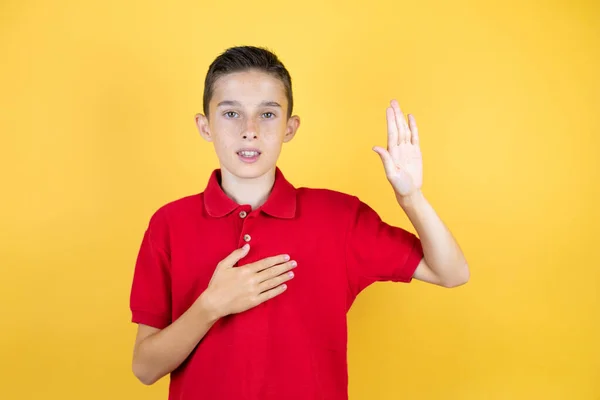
(247, 123)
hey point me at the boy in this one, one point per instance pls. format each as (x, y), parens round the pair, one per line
(241, 291)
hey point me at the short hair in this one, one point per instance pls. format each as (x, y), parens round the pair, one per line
(244, 58)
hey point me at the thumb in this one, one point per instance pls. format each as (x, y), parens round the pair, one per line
(386, 158)
(234, 257)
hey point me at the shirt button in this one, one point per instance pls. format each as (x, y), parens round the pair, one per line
(243, 214)
(247, 237)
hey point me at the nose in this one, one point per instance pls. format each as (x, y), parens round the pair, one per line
(250, 130)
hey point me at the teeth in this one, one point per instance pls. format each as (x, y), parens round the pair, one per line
(249, 153)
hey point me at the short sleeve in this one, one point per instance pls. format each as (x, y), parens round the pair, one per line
(150, 299)
(377, 251)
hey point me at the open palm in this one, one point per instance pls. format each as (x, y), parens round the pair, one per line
(402, 160)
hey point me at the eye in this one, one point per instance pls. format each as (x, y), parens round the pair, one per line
(268, 115)
(230, 114)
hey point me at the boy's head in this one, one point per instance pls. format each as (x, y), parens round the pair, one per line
(248, 106)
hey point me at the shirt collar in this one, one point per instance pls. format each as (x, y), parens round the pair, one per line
(280, 204)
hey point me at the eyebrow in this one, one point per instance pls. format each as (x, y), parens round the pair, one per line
(233, 103)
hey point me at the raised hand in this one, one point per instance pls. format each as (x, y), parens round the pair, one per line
(235, 289)
(402, 159)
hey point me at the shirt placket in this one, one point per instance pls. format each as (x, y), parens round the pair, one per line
(246, 223)
(253, 326)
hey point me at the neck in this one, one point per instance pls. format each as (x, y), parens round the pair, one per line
(253, 191)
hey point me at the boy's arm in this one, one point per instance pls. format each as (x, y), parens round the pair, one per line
(444, 263)
(157, 352)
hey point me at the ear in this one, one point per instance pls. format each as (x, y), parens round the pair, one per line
(203, 127)
(293, 124)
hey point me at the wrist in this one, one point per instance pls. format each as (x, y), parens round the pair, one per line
(412, 200)
(208, 307)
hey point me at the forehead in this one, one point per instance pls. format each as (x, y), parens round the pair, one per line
(249, 87)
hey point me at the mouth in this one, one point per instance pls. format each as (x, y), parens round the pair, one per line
(249, 156)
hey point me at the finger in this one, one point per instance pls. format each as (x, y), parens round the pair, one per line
(234, 257)
(269, 294)
(386, 158)
(275, 281)
(413, 129)
(403, 132)
(276, 270)
(392, 128)
(269, 262)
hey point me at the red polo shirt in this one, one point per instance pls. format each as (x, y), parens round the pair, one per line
(290, 347)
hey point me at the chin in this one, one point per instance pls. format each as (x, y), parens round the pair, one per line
(249, 171)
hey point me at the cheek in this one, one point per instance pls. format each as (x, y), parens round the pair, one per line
(224, 143)
(225, 134)
(273, 131)
(223, 126)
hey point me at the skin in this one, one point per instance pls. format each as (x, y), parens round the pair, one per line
(444, 263)
(249, 110)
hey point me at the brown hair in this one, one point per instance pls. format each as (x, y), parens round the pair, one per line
(243, 58)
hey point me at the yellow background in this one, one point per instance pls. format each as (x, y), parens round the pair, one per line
(97, 101)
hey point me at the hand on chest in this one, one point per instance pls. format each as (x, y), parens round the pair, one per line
(319, 253)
